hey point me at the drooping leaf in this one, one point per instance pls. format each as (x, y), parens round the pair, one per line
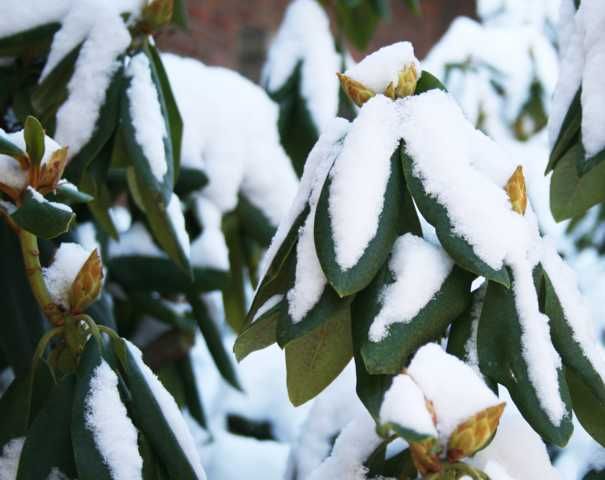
(41, 217)
(32, 41)
(569, 133)
(68, 194)
(234, 295)
(259, 334)
(428, 81)
(588, 408)
(192, 397)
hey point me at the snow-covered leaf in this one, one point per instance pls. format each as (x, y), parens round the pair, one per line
(428, 81)
(261, 333)
(69, 194)
(500, 341)
(460, 250)
(314, 360)
(43, 218)
(568, 135)
(48, 444)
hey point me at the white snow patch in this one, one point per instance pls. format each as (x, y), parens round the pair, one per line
(470, 347)
(454, 388)
(114, 433)
(19, 16)
(419, 269)
(146, 114)
(177, 220)
(171, 413)
(359, 179)
(60, 275)
(209, 249)
(382, 67)
(304, 36)
(137, 241)
(9, 460)
(404, 404)
(268, 305)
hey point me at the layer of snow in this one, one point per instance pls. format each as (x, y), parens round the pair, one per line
(456, 391)
(146, 114)
(177, 220)
(9, 460)
(114, 433)
(235, 141)
(39, 198)
(382, 67)
(60, 275)
(137, 241)
(209, 250)
(304, 36)
(404, 404)
(325, 150)
(18, 16)
(359, 179)
(171, 413)
(419, 269)
(351, 449)
(575, 307)
(470, 347)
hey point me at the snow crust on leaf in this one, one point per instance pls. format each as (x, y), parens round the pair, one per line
(359, 179)
(382, 67)
(456, 391)
(177, 220)
(209, 249)
(135, 241)
(419, 269)
(323, 153)
(18, 16)
(146, 114)
(171, 413)
(470, 347)
(59, 276)
(114, 433)
(235, 141)
(268, 305)
(304, 36)
(404, 404)
(9, 460)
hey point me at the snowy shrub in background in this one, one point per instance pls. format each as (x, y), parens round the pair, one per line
(378, 284)
(91, 408)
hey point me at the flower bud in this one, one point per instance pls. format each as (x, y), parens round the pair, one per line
(88, 283)
(157, 13)
(425, 456)
(515, 188)
(406, 83)
(52, 171)
(356, 91)
(474, 433)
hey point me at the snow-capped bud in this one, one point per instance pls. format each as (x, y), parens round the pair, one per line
(515, 188)
(356, 91)
(157, 13)
(425, 456)
(87, 286)
(473, 434)
(406, 83)
(52, 171)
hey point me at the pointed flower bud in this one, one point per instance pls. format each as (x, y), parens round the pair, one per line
(157, 13)
(406, 83)
(515, 188)
(474, 433)
(425, 456)
(356, 91)
(52, 171)
(87, 286)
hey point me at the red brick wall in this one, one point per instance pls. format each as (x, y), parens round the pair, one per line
(234, 33)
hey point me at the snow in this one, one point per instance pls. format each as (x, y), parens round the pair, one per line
(209, 249)
(38, 197)
(304, 36)
(146, 114)
(325, 150)
(268, 305)
(382, 67)
(18, 16)
(419, 269)
(177, 220)
(470, 347)
(9, 460)
(359, 179)
(114, 433)
(236, 141)
(404, 404)
(575, 307)
(455, 390)
(60, 275)
(351, 449)
(171, 413)
(137, 241)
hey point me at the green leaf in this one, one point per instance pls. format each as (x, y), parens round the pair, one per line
(588, 164)
(259, 334)
(180, 17)
(436, 214)
(214, 341)
(144, 274)
(90, 462)
(148, 304)
(48, 444)
(234, 296)
(571, 195)
(9, 148)
(315, 360)
(193, 399)
(358, 22)
(563, 339)
(33, 41)
(403, 339)
(190, 180)
(150, 418)
(33, 134)
(501, 359)
(254, 222)
(41, 217)
(397, 215)
(428, 81)
(588, 408)
(68, 194)
(569, 133)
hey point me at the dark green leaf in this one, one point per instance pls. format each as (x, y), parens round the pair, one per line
(193, 399)
(32, 41)
(69, 194)
(588, 408)
(179, 14)
(357, 22)
(259, 334)
(436, 214)
(569, 133)
(234, 296)
(9, 148)
(254, 222)
(428, 81)
(41, 217)
(190, 180)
